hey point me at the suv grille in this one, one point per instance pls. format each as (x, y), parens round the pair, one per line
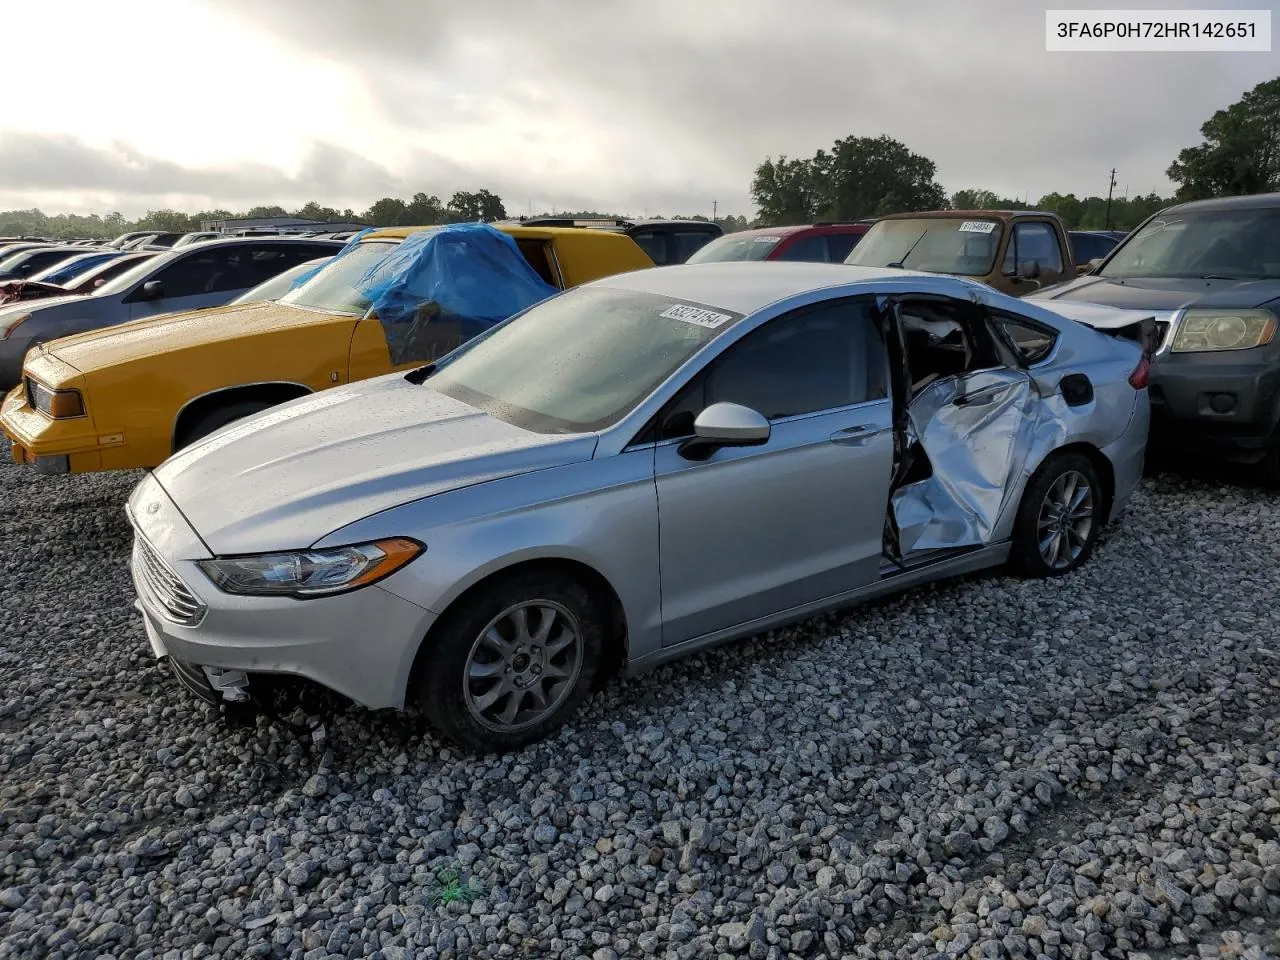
(164, 586)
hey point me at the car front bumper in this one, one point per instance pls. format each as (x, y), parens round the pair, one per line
(1227, 403)
(360, 644)
(51, 446)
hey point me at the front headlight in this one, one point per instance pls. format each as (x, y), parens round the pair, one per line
(311, 573)
(1206, 330)
(57, 404)
(10, 324)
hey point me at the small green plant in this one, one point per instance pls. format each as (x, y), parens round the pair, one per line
(453, 889)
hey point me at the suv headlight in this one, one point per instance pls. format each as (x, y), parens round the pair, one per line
(56, 404)
(311, 573)
(1206, 330)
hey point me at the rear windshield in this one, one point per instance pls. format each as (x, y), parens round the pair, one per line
(754, 247)
(1228, 244)
(333, 288)
(964, 247)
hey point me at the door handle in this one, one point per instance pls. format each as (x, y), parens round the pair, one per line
(858, 436)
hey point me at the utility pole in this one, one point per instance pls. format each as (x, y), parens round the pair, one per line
(1109, 190)
(714, 204)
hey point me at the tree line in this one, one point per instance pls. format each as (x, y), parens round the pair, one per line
(860, 177)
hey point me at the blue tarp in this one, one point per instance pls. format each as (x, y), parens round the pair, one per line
(441, 287)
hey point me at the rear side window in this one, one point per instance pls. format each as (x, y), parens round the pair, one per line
(839, 244)
(1030, 341)
(653, 243)
(811, 248)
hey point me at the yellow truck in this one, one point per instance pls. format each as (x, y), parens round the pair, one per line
(129, 396)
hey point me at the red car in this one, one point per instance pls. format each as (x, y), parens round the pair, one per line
(822, 242)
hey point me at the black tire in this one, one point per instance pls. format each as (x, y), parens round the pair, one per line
(449, 701)
(1026, 556)
(217, 418)
(1270, 466)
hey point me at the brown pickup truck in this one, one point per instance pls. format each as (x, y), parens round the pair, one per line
(1015, 251)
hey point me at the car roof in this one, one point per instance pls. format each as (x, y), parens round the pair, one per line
(1253, 201)
(968, 214)
(515, 230)
(747, 286)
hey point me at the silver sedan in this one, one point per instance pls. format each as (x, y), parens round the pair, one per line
(631, 471)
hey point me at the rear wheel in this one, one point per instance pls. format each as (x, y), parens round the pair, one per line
(513, 663)
(1059, 518)
(217, 418)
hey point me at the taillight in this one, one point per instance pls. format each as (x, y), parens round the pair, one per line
(1141, 374)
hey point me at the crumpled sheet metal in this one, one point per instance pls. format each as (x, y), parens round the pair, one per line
(980, 451)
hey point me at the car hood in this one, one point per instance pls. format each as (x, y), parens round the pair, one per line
(110, 346)
(10, 310)
(1173, 293)
(288, 477)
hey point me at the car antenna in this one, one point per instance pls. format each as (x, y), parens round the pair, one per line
(899, 263)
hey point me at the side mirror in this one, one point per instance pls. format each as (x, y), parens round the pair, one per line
(151, 290)
(724, 425)
(1029, 270)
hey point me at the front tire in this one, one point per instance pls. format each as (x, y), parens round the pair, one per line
(1059, 518)
(512, 663)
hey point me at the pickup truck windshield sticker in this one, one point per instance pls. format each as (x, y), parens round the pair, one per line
(977, 226)
(703, 318)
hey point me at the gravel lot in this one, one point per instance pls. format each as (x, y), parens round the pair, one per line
(1082, 768)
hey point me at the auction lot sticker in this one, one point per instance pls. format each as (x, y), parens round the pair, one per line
(977, 226)
(698, 315)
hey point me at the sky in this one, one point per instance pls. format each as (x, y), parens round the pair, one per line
(641, 108)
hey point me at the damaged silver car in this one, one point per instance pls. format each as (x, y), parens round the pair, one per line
(630, 471)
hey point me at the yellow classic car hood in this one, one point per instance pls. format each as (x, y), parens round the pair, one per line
(146, 338)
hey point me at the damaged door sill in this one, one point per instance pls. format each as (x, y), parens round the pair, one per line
(923, 558)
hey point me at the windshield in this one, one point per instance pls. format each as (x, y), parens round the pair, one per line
(277, 286)
(966, 248)
(333, 288)
(754, 247)
(580, 361)
(60, 273)
(1227, 244)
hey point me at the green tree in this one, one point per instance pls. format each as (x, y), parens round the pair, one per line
(424, 210)
(975, 199)
(872, 176)
(167, 220)
(387, 212)
(256, 212)
(1241, 149)
(783, 189)
(314, 211)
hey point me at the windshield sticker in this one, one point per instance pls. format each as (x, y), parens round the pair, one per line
(697, 315)
(977, 226)
(765, 239)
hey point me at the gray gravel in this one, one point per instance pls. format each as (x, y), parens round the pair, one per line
(1080, 768)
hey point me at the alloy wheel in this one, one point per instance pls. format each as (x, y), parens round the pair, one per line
(1066, 520)
(523, 665)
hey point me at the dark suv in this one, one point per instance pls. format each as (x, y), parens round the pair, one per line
(1209, 272)
(665, 241)
(823, 242)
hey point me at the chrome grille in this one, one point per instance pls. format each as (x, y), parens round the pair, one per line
(164, 587)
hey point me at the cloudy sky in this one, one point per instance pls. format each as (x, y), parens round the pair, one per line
(660, 106)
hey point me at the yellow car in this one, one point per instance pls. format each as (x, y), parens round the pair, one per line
(129, 396)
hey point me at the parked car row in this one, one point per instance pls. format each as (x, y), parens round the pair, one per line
(482, 468)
